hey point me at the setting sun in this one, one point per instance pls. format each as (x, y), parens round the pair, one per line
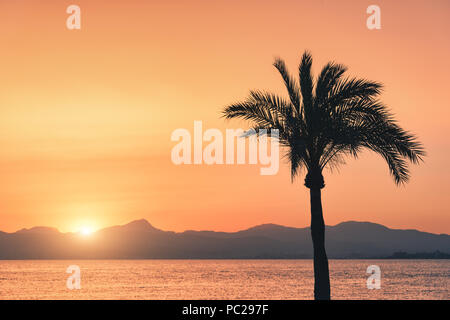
(86, 231)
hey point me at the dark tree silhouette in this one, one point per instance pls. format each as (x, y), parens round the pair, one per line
(320, 123)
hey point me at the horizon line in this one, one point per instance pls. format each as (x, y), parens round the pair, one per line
(193, 230)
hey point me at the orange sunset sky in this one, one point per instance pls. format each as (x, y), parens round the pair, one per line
(86, 115)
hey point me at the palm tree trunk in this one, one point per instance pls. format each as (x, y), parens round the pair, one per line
(321, 273)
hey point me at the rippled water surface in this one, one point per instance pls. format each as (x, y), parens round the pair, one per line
(221, 279)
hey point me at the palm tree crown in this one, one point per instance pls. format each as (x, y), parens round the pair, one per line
(327, 119)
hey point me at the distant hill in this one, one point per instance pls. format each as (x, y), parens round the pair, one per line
(140, 240)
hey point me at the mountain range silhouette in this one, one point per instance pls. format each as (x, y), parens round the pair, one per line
(140, 240)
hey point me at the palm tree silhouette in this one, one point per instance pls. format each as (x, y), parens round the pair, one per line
(320, 123)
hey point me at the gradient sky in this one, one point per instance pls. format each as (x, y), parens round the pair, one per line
(86, 115)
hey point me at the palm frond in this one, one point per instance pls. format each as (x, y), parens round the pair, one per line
(306, 80)
(290, 83)
(328, 78)
(351, 89)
